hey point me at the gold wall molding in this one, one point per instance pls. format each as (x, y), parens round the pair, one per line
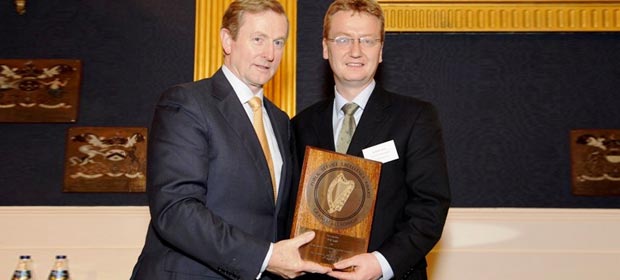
(413, 16)
(208, 55)
(501, 16)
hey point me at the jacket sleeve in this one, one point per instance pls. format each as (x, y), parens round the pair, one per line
(428, 195)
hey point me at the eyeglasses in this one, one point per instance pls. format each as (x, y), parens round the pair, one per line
(348, 41)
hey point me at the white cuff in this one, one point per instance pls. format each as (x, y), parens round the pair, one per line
(386, 269)
(266, 261)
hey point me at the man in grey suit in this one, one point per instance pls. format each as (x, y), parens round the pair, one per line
(402, 132)
(214, 211)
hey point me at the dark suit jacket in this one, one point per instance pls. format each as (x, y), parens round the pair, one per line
(209, 188)
(413, 195)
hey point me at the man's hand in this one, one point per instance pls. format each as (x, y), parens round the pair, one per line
(362, 267)
(286, 261)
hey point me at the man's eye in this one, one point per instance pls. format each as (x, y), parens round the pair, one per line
(278, 43)
(257, 40)
(343, 40)
(368, 42)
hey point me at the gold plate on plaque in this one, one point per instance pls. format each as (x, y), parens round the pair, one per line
(336, 200)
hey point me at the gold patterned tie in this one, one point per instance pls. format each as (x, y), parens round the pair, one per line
(259, 128)
(348, 128)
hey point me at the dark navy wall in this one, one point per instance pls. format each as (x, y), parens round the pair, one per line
(507, 103)
(130, 50)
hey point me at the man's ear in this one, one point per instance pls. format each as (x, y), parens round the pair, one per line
(325, 50)
(226, 39)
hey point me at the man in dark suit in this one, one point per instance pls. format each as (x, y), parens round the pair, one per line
(413, 195)
(214, 211)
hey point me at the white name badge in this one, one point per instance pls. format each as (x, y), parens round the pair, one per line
(384, 152)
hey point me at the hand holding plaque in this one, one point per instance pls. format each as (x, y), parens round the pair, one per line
(336, 200)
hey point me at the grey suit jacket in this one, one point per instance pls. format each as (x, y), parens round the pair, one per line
(210, 197)
(413, 195)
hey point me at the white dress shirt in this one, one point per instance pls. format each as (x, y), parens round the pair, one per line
(245, 94)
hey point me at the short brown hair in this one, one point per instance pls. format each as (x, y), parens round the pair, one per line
(356, 6)
(233, 17)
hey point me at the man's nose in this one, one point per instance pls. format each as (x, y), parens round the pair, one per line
(269, 52)
(356, 48)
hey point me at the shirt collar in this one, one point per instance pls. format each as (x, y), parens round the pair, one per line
(361, 99)
(242, 90)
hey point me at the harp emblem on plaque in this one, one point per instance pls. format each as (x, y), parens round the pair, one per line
(338, 192)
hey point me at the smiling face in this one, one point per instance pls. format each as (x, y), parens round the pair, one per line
(255, 54)
(354, 65)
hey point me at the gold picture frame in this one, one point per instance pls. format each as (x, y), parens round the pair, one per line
(501, 16)
(415, 16)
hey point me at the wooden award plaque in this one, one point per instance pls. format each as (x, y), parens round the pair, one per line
(336, 200)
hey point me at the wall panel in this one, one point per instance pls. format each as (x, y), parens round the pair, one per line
(103, 243)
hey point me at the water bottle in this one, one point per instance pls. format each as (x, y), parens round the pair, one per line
(60, 269)
(23, 271)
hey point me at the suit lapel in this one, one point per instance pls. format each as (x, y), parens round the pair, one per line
(372, 121)
(281, 132)
(233, 112)
(323, 126)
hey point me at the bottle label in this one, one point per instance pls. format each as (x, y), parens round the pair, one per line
(21, 275)
(59, 275)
